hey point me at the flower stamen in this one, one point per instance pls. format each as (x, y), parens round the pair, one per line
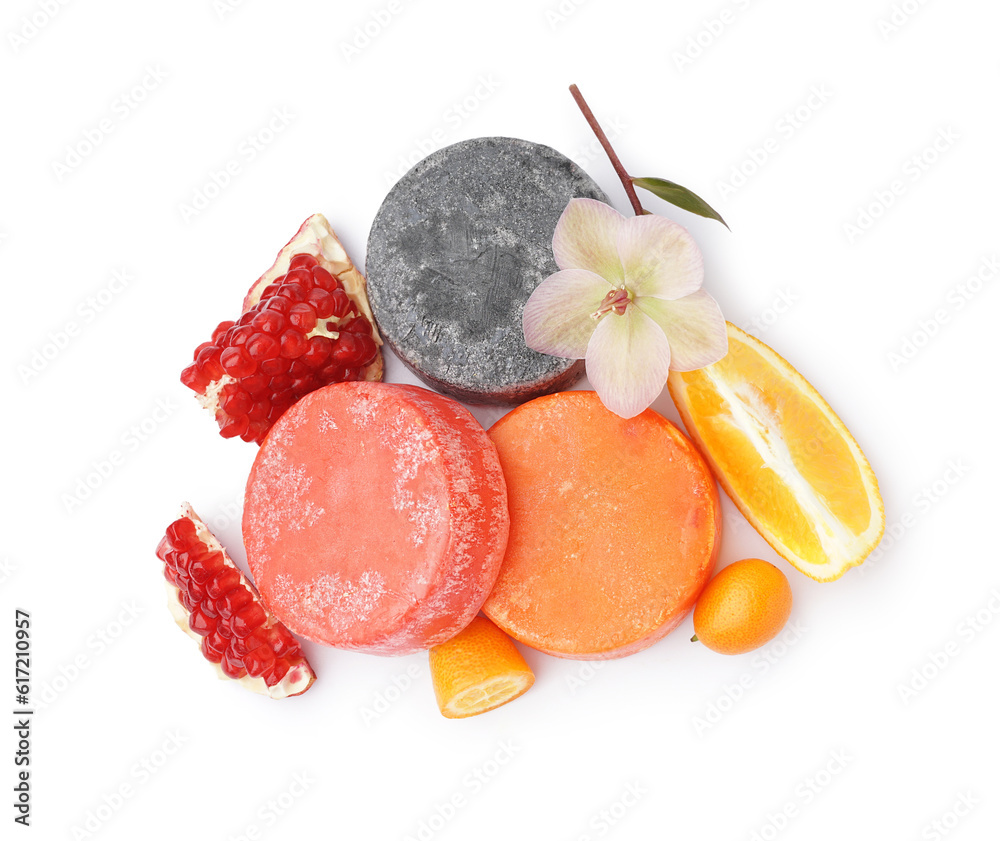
(616, 301)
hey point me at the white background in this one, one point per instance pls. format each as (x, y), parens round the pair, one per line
(824, 736)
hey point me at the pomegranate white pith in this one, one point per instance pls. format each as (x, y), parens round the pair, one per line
(215, 604)
(306, 323)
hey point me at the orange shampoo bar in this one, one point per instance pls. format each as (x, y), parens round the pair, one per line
(614, 527)
(375, 517)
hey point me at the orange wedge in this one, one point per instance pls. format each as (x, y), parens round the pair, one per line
(478, 670)
(783, 456)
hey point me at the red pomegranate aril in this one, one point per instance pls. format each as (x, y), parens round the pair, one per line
(293, 343)
(302, 316)
(195, 379)
(358, 324)
(277, 672)
(270, 321)
(269, 293)
(350, 349)
(293, 291)
(225, 580)
(203, 569)
(240, 335)
(332, 371)
(200, 623)
(235, 401)
(234, 427)
(262, 346)
(324, 280)
(282, 305)
(319, 351)
(212, 652)
(260, 411)
(246, 318)
(195, 590)
(280, 383)
(233, 601)
(353, 374)
(302, 261)
(221, 330)
(170, 575)
(255, 385)
(247, 620)
(181, 532)
(322, 301)
(224, 630)
(341, 303)
(208, 361)
(274, 367)
(232, 666)
(259, 661)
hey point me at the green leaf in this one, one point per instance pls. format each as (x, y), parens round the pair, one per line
(678, 196)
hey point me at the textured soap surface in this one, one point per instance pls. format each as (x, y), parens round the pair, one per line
(375, 517)
(457, 247)
(614, 527)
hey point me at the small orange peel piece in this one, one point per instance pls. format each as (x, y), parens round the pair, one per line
(478, 670)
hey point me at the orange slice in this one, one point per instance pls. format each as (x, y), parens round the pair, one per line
(783, 456)
(478, 670)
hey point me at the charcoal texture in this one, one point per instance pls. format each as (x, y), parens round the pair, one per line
(457, 247)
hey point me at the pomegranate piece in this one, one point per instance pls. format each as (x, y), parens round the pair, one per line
(306, 323)
(216, 605)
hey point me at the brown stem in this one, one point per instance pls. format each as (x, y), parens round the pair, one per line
(606, 144)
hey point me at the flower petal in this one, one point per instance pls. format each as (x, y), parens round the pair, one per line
(694, 326)
(628, 360)
(586, 237)
(660, 258)
(556, 316)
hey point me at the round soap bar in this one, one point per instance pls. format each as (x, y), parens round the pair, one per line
(457, 247)
(375, 517)
(614, 527)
